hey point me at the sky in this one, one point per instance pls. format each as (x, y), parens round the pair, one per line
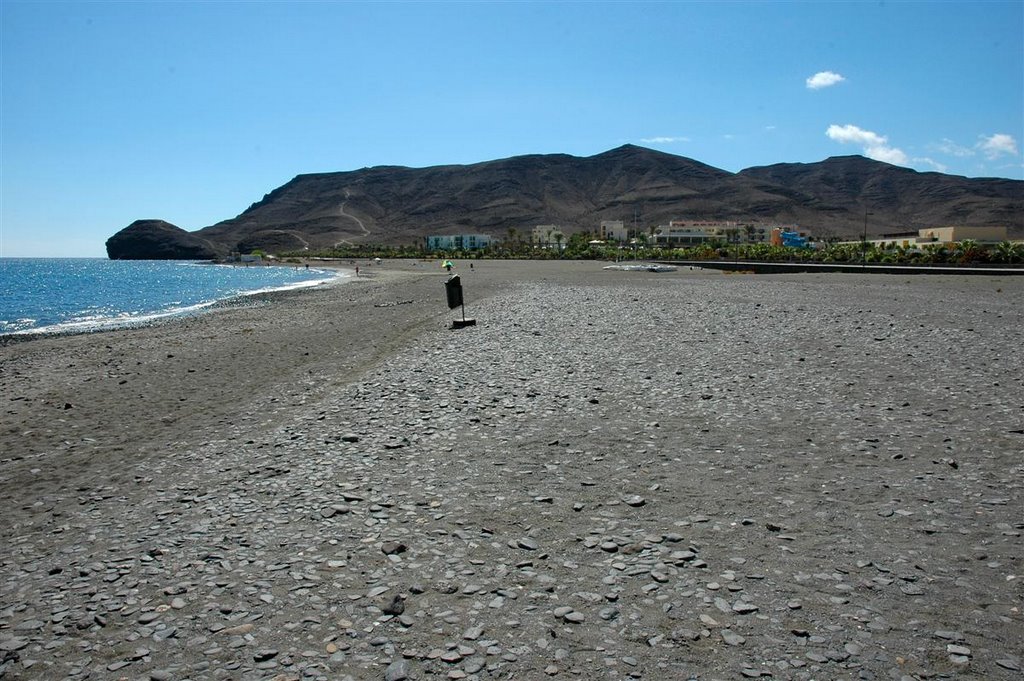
(191, 111)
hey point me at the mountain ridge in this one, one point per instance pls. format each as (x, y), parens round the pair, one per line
(400, 205)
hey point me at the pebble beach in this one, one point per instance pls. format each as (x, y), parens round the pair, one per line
(613, 475)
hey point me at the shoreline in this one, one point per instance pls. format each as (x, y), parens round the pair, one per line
(140, 388)
(165, 315)
(655, 475)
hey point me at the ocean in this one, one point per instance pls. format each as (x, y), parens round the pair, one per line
(54, 295)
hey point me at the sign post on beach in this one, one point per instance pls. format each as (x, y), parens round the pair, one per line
(453, 292)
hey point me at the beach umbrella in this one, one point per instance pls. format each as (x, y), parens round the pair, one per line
(447, 264)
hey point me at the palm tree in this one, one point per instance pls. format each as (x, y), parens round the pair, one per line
(935, 253)
(513, 239)
(1009, 252)
(702, 252)
(967, 251)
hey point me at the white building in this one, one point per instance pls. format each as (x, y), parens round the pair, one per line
(695, 232)
(547, 236)
(613, 230)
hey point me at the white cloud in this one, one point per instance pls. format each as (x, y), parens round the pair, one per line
(951, 148)
(851, 133)
(663, 140)
(995, 146)
(874, 145)
(823, 79)
(935, 165)
(888, 155)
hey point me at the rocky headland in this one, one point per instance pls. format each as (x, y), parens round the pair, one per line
(158, 240)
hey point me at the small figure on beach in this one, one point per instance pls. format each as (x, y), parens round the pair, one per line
(447, 265)
(357, 270)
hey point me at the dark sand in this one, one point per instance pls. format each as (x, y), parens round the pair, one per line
(614, 475)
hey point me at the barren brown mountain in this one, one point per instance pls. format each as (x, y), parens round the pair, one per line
(399, 205)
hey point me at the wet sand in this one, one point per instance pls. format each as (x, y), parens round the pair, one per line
(615, 474)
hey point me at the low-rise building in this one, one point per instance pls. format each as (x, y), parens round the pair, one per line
(613, 230)
(788, 236)
(458, 242)
(674, 234)
(548, 236)
(244, 257)
(940, 236)
(696, 232)
(950, 235)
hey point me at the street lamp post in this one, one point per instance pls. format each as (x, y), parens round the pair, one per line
(864, 242)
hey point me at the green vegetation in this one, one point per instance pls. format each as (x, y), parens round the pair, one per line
(578, 246)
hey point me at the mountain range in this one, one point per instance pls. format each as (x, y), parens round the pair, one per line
(393, 205)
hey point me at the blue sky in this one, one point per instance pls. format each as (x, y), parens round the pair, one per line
(189, 112)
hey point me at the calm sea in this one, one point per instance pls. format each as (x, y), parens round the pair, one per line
(84, 294)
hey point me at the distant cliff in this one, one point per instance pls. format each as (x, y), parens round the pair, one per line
(398, 205)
